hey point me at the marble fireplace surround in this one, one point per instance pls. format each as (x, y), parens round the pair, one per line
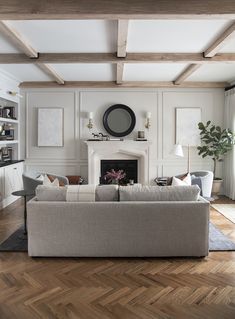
(127, 149)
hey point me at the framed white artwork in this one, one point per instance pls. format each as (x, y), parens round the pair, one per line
(51, 127)
(187, 132)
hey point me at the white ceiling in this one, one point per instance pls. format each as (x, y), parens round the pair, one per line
(93, 36)
(25, 72)
(86, 72)
(214, 72)
(69, 35)
(152, 72)
(172, 35)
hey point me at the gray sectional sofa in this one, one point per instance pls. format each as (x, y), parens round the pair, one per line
(154, 227)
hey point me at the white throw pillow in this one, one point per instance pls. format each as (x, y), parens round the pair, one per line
(40, 178)
(185, 182)
(47, 182)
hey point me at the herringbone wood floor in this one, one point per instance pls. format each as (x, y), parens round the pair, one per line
(115, 288)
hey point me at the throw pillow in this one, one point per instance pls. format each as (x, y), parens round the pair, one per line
(182, 182)
(47, 182)
(53, 178)
(40, 178)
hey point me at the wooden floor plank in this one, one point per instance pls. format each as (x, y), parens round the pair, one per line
(109, 288)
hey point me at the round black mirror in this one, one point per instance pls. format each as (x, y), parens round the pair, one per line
(119, 120)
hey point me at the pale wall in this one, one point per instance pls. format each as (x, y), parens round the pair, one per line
(72, 158)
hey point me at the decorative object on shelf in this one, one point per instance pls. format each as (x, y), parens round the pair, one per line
(6, 132)
(50, 127)
(119, 120)
(141, 136)
(104, 137)
(216, 143)
(148, 118)
(114, 177)
(90, 120)
(6, 154)
(8, 112)
(1, 128)
(96, 137)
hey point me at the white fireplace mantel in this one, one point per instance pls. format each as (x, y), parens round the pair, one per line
(127, 149)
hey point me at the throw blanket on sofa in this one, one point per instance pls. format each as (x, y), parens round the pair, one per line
(80, 193)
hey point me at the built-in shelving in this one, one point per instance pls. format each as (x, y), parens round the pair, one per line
(14, 145)
(9, 142)
(8, 120)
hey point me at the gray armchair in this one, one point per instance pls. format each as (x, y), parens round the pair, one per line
(30, 181)
(205, 179)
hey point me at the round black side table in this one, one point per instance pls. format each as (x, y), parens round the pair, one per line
(25, 194)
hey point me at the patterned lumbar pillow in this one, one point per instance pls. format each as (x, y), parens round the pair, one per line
(182, 182)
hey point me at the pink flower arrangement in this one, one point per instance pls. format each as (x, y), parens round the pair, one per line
(114, 175)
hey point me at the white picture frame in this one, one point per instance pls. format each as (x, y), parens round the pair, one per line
(50, 127)
(187, 132)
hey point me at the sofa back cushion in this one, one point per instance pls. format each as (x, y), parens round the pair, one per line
(106, 193)
(159, 193)
(51, 194)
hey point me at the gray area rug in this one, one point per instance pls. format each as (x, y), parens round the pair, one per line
(218, 241)
(16, 242)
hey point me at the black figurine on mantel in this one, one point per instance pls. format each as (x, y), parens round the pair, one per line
(104, 137)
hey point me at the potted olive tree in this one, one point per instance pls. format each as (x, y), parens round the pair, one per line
(216, 142)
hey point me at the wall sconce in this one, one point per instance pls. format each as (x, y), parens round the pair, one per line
(13, 93)
(148, 117)
(90, 122)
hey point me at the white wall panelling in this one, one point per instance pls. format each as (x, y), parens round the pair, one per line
(72, 158)
(65, 100)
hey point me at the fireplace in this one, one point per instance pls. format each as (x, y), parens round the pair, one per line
(120, 151)
(129, 167)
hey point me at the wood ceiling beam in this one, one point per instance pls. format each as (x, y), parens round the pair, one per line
(17, 40)
(221, 41)
(50, 72)
(130, 84)
(12, 58)
(117, 9)
(122, 38)
(211, 51)
(119, 75)
(29, 53)
(186, 73)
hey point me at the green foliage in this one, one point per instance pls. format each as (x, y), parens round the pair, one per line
(215, 141)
